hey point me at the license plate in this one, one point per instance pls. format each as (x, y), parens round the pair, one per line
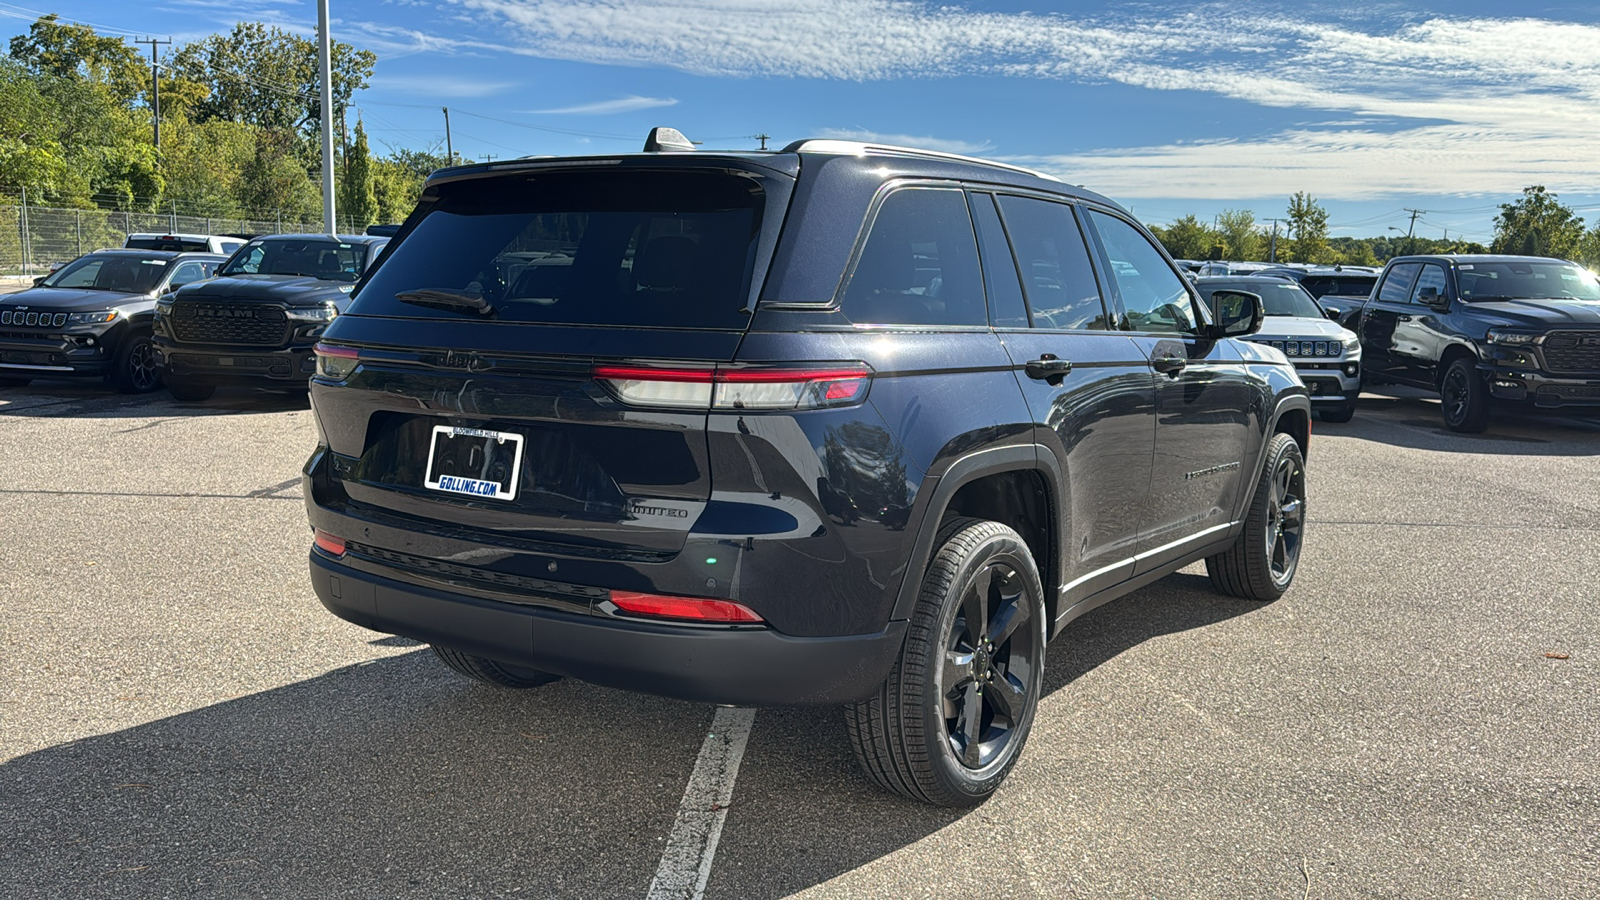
(475, 463)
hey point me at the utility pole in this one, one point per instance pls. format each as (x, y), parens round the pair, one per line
(1272, 250)
(325, 67)
(155, 84)
(449, 150)
(763, 137)
(1411, 246)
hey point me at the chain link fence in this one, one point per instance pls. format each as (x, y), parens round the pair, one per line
(33, 238)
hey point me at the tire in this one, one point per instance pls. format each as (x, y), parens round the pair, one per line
(15, 382)
(1261, 563)
(1464, 398)
(191, 390)
(951, 720)
(1339, 414)
(134, 369)
(491, 671)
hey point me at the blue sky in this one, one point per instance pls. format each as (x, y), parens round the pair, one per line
(1448, 107)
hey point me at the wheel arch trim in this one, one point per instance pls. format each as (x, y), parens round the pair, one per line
(964, 471)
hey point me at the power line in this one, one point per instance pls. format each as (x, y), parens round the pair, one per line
(36, 14)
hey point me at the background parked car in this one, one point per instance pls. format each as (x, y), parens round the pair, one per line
(1325, 354)
(1483, 329)
(201, 243)
(257, 321)
(1336, 289)
(93, 317)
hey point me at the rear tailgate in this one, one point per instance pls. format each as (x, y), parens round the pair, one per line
(460, 389)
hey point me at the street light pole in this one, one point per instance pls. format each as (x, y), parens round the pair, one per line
(325, 65)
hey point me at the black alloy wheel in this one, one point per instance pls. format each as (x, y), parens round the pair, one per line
(1262, 561)
(136, 370)
(952, 718)
(985, 682)
(1463, 397)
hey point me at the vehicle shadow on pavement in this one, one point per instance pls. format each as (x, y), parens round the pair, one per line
(1403, 417)
(803, 813)
(64, 399)
(386, 779)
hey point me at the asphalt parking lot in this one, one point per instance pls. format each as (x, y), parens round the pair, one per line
(179, 717)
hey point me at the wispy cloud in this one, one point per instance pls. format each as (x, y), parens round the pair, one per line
(441, 85)
(926, 142)
(1448, 104)
(608, 107)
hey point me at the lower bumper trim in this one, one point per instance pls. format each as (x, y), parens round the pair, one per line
(740, 666)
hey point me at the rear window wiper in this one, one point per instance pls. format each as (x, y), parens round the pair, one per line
(451, 300)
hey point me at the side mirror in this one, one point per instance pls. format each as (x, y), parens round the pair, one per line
(1333, 312)
(40, 280)
(1431, 298)
(1235, 313)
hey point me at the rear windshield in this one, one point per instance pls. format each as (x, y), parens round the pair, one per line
(178, 244)
(639, 248)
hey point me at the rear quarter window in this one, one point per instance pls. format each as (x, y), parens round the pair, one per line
(919, 265)
(628, 248)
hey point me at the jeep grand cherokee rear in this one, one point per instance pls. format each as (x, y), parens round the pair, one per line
(811, 426)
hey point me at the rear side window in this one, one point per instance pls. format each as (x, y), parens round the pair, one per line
(1054, 262)
(631, 248)
(1397, 285)
(919, 265)
(1007, 308)
(1431, 277)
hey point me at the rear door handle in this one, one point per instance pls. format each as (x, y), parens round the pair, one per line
(1048, 367)
(1169, 365)
(1405, 318)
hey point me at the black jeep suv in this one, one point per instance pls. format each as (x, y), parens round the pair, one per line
(92, 317)
(255, 324)
(834, 424)
(1517, 331)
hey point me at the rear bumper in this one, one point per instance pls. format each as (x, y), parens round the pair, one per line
(735, 665)
(291, 366)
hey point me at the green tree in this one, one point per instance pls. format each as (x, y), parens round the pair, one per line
(264, 76)
(1241, 238)
(77, 52)
(1188, 238)
(357, 200)
(1308, 222)
(1538, 225)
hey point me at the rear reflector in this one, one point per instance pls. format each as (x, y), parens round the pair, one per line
(815, 387)
(690, 609)
(327, 543)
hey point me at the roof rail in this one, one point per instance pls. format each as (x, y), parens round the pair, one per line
(857, 148)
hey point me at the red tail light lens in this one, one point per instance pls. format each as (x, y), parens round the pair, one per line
(692, 609)
(812, 387)
(335, 362)
(327, 543)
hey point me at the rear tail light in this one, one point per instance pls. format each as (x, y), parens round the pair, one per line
(689, 609)
(812, 387)
(336, 363)
(327, 543)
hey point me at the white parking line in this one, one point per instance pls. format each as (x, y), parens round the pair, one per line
(686, 865)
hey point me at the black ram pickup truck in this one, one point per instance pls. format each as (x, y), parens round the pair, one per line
(1485, 330)
(255, 324)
